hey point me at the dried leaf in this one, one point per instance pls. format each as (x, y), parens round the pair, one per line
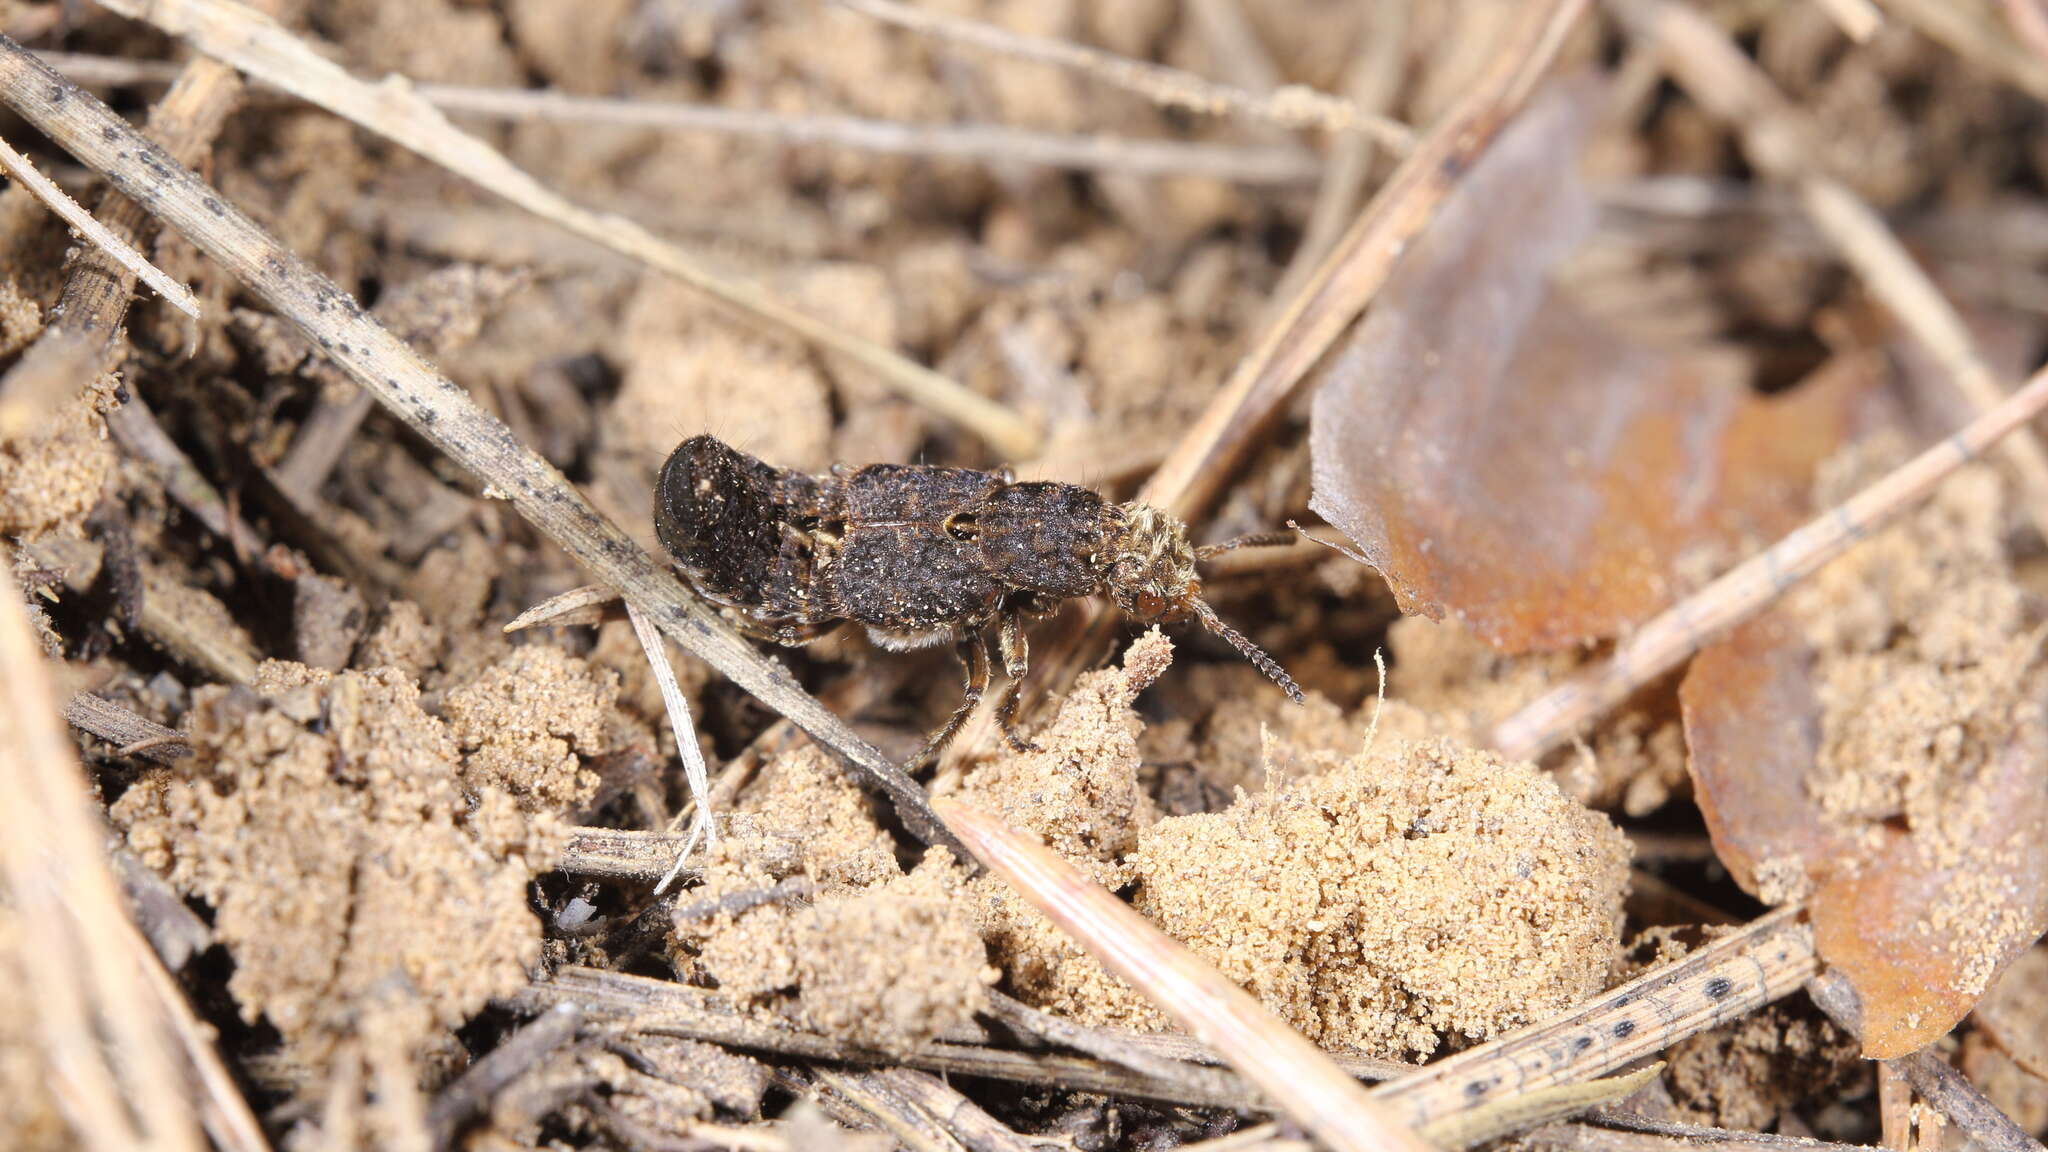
(1919, 918)
(1506, 459)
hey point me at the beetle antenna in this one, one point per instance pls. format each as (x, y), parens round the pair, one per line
(1249, 540)
(1249, 650)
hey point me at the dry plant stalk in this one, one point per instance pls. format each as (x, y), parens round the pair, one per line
(111, 1043)
(1292, 107)
(1779, 141)
(1260, 386)
(434, 406)
(1294, 1073)
(1674, 635)
(988, 143)
(258, 46)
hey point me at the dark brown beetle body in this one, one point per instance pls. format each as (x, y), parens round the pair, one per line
(919, 555)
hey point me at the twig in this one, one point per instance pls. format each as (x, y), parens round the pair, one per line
(977, 142)
(72, 348)
(1259, 388)
(1777, 139)
(1293, 106)
(439, 410)
(81, 221)
(1931, 1076)
(125, 730)
(1668, 639)
(1101, 1043)
(258, 46)
(471, 1093)
(107, 1040)
(1292, 1071)
(1735, 975)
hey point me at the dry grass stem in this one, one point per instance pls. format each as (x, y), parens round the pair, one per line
(1716, 72)
(1292, 106)
(1260, 386)
(1724, 981)
(81, 221)
(109, 1042)
(685, 731)
(985, 143)
(1672, 637)
(1293, 1072)
(258, 46)
(431, 404)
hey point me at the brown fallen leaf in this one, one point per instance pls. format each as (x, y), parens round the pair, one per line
(1504, 458)
(1877, 747)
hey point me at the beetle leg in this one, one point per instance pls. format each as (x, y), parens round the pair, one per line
(1016, 662)
(973, 650)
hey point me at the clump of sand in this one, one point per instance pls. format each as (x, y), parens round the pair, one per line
(1380, 898)
(874, 956)
(349, 859)
(1414, 891)
(528, 722)
(1080, 792)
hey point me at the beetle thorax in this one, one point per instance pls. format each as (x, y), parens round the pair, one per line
(1151, 572)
